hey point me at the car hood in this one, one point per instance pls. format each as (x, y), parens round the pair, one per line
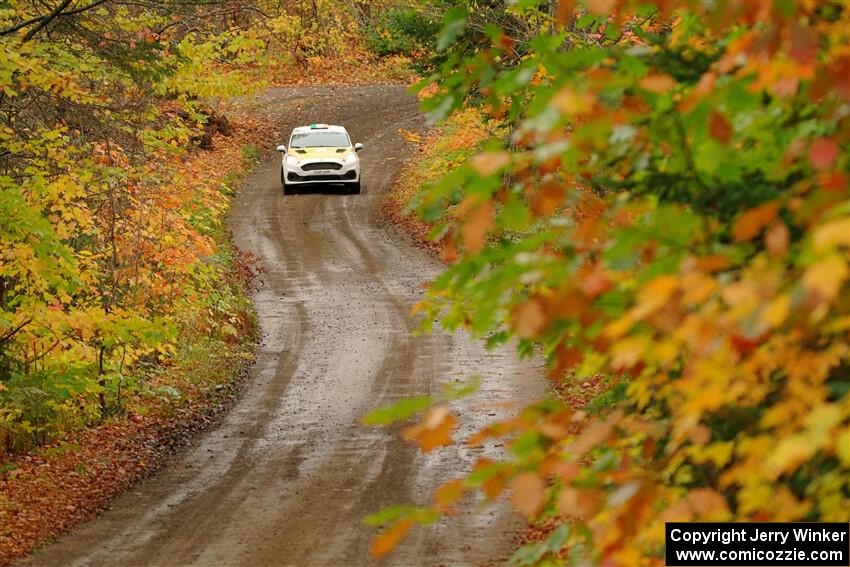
(313, 153)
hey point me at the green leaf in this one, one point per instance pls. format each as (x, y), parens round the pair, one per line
(454, 24)
(399, 411)
(457, 390)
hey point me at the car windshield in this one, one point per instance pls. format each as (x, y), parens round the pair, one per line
(320, 139)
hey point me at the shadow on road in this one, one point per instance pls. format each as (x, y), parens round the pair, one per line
(318, 189)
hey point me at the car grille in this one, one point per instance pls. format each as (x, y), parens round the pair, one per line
(348, 175)
(321, 165)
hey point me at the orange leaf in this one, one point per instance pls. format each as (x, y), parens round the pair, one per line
(493, 486)
(751, 222)
(657, 83)
(434, 430)
(603, 7)
(776, 239)
(578, 503)
(529, 318)
(548, 198)
(528, 494)
(719, 128)
(595, 283)
(448, 251)
(566, 358)
(389, 538)
(488, 163)
(474, 230)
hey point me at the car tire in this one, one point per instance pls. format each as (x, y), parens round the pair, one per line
(286, 190)
(354, 188)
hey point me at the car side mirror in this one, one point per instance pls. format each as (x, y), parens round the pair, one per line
(358, 146)
(281, 148)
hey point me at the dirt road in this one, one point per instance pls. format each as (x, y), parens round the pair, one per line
(288, 476)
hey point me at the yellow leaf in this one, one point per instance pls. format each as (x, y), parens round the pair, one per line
(826, 276)
(832, 234)
(789, 454)
(655, 294)
(627, 352)
(776, 311)
(571, 102)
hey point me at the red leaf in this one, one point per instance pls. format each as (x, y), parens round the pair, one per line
(804, 44)
(719, 128)
(823, 152)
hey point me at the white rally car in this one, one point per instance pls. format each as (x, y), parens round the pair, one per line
(320, 153)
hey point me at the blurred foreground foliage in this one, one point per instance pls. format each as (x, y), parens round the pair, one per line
(663, 204)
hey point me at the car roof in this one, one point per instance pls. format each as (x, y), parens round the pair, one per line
(321, 127)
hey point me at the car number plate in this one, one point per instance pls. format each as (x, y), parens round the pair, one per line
(323, 172)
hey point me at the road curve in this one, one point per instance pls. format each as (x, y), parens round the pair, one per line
(289, 474)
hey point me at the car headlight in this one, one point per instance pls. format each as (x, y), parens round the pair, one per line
(350, 158)
(292, 160)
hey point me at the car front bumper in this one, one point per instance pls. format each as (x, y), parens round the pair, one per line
(337, 171)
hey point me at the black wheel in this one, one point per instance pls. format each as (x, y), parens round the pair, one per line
(354, 188)
(286, 190)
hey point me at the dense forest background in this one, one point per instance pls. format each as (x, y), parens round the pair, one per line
(112, 245)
